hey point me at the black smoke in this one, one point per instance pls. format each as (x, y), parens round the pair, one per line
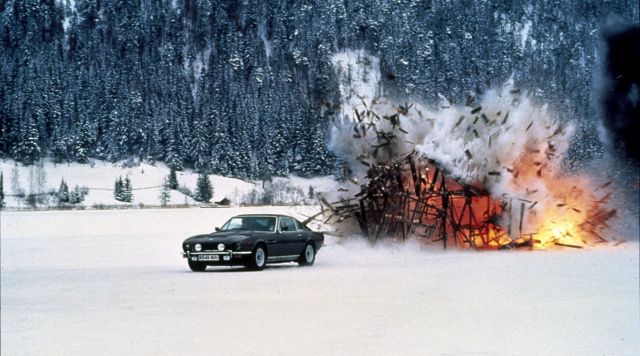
(621, 94)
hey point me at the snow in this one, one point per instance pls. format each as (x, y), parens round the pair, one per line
(319, 184)
(359, 80)
(262, 32)
(113, 282)
(100, 178)
(524, 34)
(146, 179)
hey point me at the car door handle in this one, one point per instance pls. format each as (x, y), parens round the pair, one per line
(271, 241)
(299, 235)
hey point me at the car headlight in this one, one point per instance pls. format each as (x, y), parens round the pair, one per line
(198, 247)
(220, 247)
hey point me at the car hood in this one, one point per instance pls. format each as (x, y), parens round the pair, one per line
(220, 237)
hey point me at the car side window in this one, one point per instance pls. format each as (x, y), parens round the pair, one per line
(300, 225)
(287, 224)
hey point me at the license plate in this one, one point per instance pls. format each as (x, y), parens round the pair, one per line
(209, 258)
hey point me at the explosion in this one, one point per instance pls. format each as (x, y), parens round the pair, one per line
(486, 174)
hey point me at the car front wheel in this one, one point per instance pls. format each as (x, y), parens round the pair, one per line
(258, 258)
(197, 266)
(308, 256)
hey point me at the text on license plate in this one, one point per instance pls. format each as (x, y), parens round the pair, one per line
(209, 258)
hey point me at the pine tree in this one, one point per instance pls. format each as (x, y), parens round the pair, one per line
(73, 197)
(90, 79)
(165, 195)
(172, 180)
(127, 190)
(83, 143)
(63, 192)
(28, 148)
(1, 191)
(204, 189)
(118, 189)
(76, 196)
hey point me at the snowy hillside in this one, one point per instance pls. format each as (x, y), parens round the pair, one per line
(147, 182)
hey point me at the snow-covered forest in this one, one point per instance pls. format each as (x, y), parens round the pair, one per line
(247, 89)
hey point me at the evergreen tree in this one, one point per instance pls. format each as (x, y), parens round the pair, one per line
(63, 192)
(204, 189)
(74, 197)
(172, 181)
(28, 147)
(248, 89)
(1, 191)
(118, 190)
(127, 191)
(77, 195)
(165, 195)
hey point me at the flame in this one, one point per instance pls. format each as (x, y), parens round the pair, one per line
(567, 209)
(556, 211)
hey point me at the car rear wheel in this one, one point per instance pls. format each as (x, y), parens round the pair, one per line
(308, 256)
(258, 258)
(197, 266)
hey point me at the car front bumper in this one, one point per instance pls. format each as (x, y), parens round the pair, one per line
(216, 257)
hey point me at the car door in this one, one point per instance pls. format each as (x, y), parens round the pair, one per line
(303, 235)
(290, 237)
(274, 243)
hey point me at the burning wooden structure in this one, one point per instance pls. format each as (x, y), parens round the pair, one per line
(415, 197)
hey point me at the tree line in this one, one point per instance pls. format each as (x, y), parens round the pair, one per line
(247, 88)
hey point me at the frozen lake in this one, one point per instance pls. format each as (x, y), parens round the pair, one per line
(113, 283)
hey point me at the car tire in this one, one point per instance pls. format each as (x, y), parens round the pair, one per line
(308, 256)
(258, 258)
(197, 266)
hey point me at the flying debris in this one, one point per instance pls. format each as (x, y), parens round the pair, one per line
(604, 185)
(528, 126)
(414, 197)
(468, 153)
(506, 117)
(465, 196)
(470, 99)
(404, 110)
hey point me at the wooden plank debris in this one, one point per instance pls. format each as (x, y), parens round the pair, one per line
(413, 196)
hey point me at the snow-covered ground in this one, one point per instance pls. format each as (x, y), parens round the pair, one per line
(147, 181)
(113, 283)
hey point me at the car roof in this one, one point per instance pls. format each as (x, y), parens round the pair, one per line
(266, 215)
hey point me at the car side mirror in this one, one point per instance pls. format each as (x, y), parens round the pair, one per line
(217, 229)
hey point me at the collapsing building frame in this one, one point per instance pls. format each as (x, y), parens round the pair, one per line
(414, 196)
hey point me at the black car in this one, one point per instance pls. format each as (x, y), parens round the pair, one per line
(253, 241)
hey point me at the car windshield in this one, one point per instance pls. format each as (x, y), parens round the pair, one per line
(253, 223)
